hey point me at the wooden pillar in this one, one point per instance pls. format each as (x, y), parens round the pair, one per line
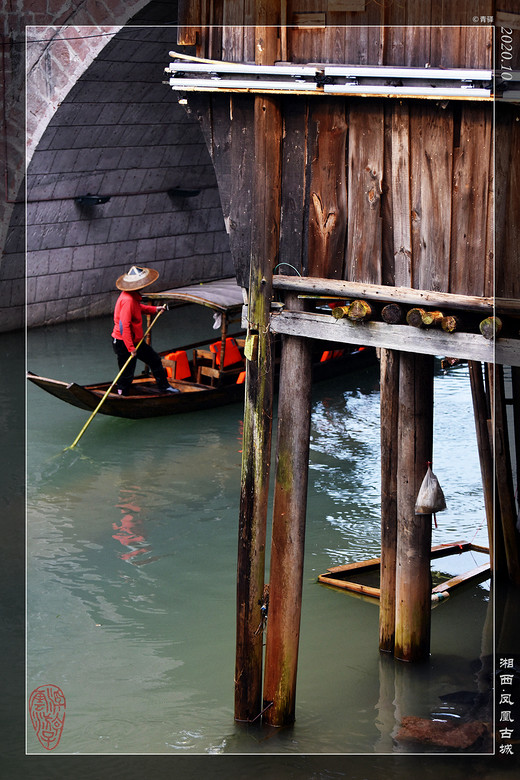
(389, 383)
(482, 415)
(504, 477)
(413, 577)
(515, 381)
(288, 535)
(256, 456)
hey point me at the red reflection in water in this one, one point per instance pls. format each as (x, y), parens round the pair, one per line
(129, 531)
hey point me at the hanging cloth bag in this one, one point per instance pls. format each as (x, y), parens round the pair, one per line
(430, 498)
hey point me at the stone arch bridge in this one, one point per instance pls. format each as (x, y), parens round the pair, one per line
(99, 121)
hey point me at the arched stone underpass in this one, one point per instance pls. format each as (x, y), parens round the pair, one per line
(117, 132)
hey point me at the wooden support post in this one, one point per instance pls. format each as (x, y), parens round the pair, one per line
(258, 400)
(389, 438)
(288, 535)
(413, 577)
(515, 380)
(482, 418)
(504, 478)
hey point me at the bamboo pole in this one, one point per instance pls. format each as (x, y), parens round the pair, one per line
(482, 417)
(389, 372)
(258, 397)
(100, 404)
(288, 534)
(415, 441)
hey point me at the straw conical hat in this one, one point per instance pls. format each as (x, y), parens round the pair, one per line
(137, 278)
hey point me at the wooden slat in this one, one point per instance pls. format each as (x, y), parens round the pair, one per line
(431, 129)
(355, 587)
(462, 578)
(241, 155)
(189, 21)
(328, 196)
(368, 565)
(400, 188)
(365, 173)
(467, 346)
(437, 551)
(507, 225)
(294, 165)
(233, 37)
(387, 215)
(471, 172)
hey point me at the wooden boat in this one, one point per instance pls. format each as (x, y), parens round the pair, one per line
(206, 374)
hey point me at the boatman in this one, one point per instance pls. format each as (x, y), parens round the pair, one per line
(128, 330)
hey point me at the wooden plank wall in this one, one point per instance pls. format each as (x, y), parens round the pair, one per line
(373, 190)
(507, 225)
(372, 32)
(392, 192)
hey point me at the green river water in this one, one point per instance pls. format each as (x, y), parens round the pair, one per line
(131, 543)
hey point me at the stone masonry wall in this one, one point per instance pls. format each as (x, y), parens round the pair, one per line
(119, 132)
(16, 15)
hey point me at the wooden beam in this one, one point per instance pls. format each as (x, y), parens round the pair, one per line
(258, 410)
(415, 443)
(288, 534)
(467, 346)
(334, 578)
(504, 477)
(345, 289)
(482, 418)
(460, 579)
(515, 386)
(389, 403)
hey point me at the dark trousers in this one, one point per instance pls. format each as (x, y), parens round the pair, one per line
(148, 356)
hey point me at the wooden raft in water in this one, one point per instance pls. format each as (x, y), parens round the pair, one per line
(335, 576)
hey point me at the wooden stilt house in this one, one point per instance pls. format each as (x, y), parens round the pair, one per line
(364, 151)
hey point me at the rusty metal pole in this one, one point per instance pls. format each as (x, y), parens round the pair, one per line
(258, 401)
(414, 532)
(288, 535)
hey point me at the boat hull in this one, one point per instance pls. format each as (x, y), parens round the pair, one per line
(146, 401)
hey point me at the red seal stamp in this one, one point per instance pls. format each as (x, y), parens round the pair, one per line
(47, 711)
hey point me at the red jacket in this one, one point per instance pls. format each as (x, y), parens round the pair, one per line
(128, 318)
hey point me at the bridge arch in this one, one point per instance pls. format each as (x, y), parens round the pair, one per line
(100, 120)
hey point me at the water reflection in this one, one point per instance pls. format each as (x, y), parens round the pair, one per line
(129, 531)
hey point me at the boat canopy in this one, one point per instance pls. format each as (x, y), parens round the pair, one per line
(223, 295)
